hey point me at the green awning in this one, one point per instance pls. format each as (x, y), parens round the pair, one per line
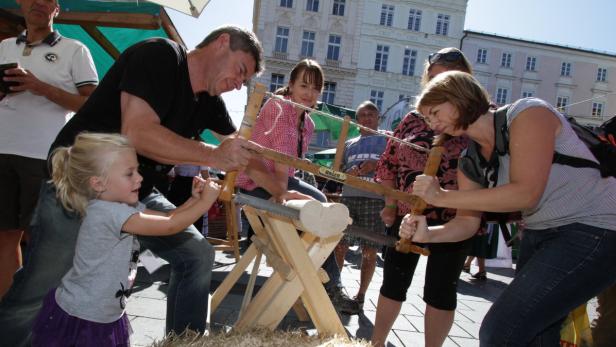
(121, 38)
(75, 15)
(325, 123)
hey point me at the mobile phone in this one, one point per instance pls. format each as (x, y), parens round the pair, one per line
(5, 85)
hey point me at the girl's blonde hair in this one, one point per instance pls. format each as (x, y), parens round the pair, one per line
(72, 167)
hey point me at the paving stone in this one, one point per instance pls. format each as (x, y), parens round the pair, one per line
(147, 305)
(146, 330)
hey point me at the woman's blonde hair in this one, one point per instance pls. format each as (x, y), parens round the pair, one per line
(460, 89)
(460, 64)
(72, 167)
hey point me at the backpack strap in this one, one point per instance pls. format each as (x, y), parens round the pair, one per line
(501, 131)
(564, 159)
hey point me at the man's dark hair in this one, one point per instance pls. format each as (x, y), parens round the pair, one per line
(240, 39)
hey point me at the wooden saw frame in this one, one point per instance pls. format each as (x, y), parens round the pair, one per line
(296, 258)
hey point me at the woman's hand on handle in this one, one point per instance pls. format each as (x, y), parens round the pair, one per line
(428, 189)
(414, 228)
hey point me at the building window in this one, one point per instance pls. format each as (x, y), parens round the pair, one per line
(380, 61)
(338, 9)
(442, 24)
(531, 63)
(414, 20)
(565, 69)
(482, 55)
(277, 81)
(561, 103)
(308, 44)
(376, 96)
(312, 5)
(506, 60)
(333, 47)
(387, 15)
(501, 96)
(286, 3)
(527, 94)
(329, 92)
(601, 74)
(408, 63)
(597, 109)
(282, 39)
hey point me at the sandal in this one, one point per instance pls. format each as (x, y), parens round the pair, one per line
(466, 268)
(480, 276)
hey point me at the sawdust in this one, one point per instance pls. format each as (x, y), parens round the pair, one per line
(259, 338)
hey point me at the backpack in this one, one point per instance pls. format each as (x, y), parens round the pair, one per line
(599, 144)
(485, 172)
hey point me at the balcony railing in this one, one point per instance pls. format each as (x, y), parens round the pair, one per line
(280, 55)
(333, 63)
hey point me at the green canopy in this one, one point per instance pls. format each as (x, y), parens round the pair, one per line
(106, 27)
(208, 137)
(326, 123)
(121, 38)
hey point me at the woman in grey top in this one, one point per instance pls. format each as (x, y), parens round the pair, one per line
(568, 251)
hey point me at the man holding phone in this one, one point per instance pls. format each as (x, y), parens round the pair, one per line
(44, 79)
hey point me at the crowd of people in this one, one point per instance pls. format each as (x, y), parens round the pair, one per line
(86, 190)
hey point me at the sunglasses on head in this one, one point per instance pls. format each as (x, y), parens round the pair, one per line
(449, 57)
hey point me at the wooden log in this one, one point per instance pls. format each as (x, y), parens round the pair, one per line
(321, 219)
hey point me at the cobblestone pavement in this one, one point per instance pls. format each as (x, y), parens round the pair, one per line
(147, 305)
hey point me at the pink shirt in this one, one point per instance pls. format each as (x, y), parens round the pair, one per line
(276, 128)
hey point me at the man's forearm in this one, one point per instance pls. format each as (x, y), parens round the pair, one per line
(164, 146)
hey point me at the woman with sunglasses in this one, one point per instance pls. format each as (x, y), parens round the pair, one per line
(397, 168)
(568, 251)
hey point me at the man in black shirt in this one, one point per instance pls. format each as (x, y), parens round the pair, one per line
(160, 97)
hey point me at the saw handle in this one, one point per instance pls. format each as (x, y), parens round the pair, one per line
(431, 168)
(252, 110)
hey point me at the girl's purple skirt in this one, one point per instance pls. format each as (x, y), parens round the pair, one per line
(54, 327)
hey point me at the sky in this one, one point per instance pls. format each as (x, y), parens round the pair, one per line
(588, 24)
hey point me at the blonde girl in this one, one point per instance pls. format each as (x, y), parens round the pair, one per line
(97, 178)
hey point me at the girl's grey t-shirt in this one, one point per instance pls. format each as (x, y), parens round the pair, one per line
(572, 195)
(104, 266)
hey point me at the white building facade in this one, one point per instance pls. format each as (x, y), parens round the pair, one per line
(396, 39)
(323, 30)
(376, 50)
(578, 81)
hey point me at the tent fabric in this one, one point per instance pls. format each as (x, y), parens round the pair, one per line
(121, 38)
(135, 6)
(190, 7)
(325, 123)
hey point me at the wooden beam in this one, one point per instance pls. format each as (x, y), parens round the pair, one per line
(337, 176)
(106, 19)
(169, 28)
(102, 40)
(344, 131)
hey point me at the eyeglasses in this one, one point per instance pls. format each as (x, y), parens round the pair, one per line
(449, 57)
